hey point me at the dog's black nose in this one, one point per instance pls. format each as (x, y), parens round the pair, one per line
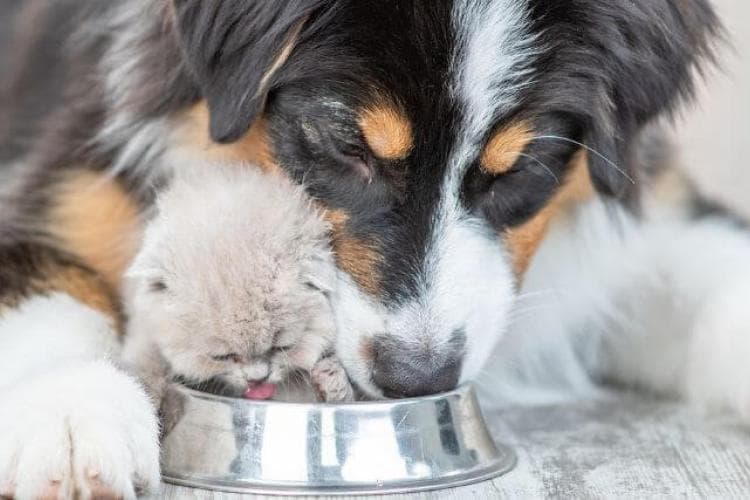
(402, 370)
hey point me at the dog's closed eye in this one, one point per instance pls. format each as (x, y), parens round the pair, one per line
(347, 151)
(356, 158)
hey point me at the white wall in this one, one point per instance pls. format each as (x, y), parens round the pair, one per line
(714, 136)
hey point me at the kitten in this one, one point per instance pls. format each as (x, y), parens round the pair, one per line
(230, 288)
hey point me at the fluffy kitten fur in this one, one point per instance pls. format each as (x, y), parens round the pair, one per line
(231, 285)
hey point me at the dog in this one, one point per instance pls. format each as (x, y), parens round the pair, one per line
(497, 212)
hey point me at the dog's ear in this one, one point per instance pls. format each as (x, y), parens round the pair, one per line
(235, 50)
(644, 56)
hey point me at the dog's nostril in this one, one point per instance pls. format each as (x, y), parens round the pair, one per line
(400, 371)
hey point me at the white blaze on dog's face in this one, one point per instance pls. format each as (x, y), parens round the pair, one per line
(441, 137)
(233, 278)
(457, 307)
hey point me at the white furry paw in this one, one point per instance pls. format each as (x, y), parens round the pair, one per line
(330, 381)
(85, 431)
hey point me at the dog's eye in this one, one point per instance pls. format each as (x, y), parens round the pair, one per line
(355, 158)
(514, 196)
(511, 197)
(341, 144)
(233, 357)
(347, 152)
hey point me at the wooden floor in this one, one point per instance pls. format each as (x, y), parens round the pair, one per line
(624, 447)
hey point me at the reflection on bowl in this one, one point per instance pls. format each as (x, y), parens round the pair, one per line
(357, 448)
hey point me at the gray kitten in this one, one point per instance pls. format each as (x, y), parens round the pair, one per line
(230, 288)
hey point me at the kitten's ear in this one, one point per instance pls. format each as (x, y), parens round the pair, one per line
(235, 50)
(320, 273)
(643, 56)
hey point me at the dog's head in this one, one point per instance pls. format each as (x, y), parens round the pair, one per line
(442, 137)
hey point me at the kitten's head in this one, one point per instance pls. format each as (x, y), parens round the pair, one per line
(233, 277)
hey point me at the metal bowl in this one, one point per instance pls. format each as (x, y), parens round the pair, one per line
(275, 447)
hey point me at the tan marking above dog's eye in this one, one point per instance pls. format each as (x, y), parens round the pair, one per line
(505, 146)
(388, 132)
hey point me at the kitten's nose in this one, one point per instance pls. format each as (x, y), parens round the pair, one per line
(257, 371)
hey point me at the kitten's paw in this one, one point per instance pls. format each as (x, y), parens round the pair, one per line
(88, 431)
(330, 381)
(171, 409)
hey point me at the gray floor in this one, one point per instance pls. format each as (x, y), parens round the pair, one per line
(629, 446)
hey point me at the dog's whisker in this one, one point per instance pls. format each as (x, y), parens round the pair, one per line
(541, 164)
(587, 148)
(515, 316)
(537, 293)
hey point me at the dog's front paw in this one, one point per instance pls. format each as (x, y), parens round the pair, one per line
(330, 381)
(88, 431)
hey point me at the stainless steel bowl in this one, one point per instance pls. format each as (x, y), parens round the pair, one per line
(359, 448)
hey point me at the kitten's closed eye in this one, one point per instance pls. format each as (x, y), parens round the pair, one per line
(233, 357)
(280, 345)
(280, 348)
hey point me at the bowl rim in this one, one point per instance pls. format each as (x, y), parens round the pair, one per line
(504, 463)
(463, 390)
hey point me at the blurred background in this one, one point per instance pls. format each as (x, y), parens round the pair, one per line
(714, 135)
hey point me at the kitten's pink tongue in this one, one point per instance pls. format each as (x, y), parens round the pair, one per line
(260, 391)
